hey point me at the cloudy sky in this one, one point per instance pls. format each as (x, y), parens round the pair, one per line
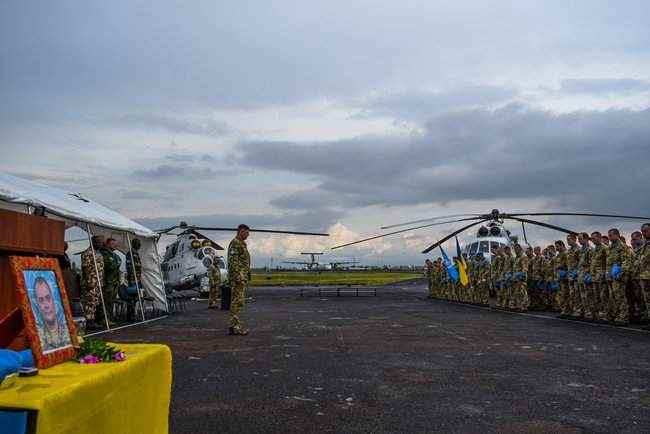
(339, 115)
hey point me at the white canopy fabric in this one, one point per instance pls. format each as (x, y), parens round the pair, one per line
(17, 193)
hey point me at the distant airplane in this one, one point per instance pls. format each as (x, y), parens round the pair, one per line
(311, 264)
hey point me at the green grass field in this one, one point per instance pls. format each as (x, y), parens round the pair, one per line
(297, 278)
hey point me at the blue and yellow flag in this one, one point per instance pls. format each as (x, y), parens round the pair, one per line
(451, 270)
(462, 265)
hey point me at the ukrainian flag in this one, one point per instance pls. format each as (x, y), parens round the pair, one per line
(451, 270)
(462, 265)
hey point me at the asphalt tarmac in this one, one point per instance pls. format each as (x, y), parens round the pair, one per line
(398, 362)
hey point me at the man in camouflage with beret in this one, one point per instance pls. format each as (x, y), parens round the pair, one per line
(239, 268)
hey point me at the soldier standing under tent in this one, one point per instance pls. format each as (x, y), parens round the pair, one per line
(618, 263)
(133, 261)
(215, 282)
(112, 279)
(239, 263)
(92, 279)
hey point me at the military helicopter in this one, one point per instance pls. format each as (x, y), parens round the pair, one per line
(187, 260)
(491, 234)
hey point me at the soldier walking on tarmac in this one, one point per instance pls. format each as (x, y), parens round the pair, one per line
(239, 268)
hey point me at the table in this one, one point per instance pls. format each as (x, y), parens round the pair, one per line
(120, 397)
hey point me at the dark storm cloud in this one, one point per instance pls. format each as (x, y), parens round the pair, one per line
(318, 220)
(583, 160)
(203, 127)
(604, 86)
(423, 104)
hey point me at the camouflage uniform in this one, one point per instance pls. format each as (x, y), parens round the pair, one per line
(53, 339)
(573, 299)
(549, 277)
(642, 275)
(536, 281)
(506, 279)
(561, 267)
(598, 269)
(112, 264)
(586, 302)
(620, 255)
(497, 266)
(519, 299)
(239, 263)
(481, 273)
(91, 288)
(133, 262)
(215, 282)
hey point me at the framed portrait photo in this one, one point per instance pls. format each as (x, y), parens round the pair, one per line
(45, 308)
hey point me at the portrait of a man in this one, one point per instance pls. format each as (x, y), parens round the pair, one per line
(49, 316)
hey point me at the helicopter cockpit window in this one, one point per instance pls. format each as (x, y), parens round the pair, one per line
(219, 262)
(473, 248)
(484, 247)
(174, 249)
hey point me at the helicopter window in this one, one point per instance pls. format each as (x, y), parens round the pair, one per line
(484, 247)
(219, 262)
(473, 248)
(174, 249)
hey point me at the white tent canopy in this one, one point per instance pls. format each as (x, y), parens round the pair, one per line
(17, 194)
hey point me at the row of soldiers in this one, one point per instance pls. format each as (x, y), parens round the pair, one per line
(591, 277)
(101, 278)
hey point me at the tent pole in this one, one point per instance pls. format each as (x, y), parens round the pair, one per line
(101, 292)
(135, 275)
(162, 278)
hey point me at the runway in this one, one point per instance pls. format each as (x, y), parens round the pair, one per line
(398, 362)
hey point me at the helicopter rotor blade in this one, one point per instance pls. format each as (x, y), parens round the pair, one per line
(400, 231)
(453, 234)
(577, 214)
(266, 231)
(523, 228)
(429, 220)
(165, 231)
(546, 225)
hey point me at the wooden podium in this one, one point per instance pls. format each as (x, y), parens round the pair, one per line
(24, 235)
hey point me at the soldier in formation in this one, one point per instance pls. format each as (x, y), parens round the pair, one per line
(590, 277)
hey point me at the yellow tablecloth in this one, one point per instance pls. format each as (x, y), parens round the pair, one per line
(122, 397)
